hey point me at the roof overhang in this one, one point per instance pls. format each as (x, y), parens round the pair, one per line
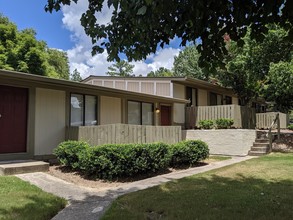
(25, 79)
(203, 85)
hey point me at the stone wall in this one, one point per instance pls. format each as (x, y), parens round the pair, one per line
(234, 142)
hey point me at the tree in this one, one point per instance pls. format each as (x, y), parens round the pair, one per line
(58, 60)
(138, 27)
(75, 76)
(279, 89)
(21, 51)
(161, 72)
(121, 68)
(186, 64)
(247, 67)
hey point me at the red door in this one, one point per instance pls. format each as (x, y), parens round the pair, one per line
(165, 115)
(13, 119)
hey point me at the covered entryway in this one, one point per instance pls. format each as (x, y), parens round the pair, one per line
(165, 115)
(13, 119)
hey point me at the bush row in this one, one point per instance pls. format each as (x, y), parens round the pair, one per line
(121, 160)
(221, 123)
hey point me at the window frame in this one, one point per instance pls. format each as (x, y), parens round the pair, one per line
(83, 109)
(140, 105)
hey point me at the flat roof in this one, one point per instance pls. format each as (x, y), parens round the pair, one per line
(8, 77)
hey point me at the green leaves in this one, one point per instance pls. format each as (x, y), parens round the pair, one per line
(138, 27)
(21, 51)
(121, 68)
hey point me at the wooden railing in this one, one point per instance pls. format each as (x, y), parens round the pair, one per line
(276, 122)
(243, 117)
(124, 133)
(264, 120)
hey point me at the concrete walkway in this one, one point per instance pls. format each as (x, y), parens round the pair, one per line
(88, 203)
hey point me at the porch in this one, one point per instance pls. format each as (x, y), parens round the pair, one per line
(242, 116)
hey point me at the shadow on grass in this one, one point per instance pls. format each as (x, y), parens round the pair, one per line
(32, 208)
(209, 197)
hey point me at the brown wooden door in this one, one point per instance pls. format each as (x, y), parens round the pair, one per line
(165, 115)
(13, 119)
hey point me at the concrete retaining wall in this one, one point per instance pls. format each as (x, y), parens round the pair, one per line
(234, 142)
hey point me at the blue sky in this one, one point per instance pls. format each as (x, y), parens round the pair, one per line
(62, 30)
(31, 14)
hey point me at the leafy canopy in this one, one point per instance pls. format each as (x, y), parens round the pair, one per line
(161, 72)
(248, 68)
(21, 51)
(186, 64)
(138, 27)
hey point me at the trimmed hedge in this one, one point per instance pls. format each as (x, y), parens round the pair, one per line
(206, 124)
(121, 160)
(111, 160)
(290, 127)
(224, 123)
(68, 152)
(189, 152)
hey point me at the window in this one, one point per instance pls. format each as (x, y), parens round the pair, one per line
(191, 94)
(140, 113)
(213, 99)
(83, 110)
(228, 100)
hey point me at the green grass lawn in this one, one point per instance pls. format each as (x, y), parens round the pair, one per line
(260, 188)
(20, 200)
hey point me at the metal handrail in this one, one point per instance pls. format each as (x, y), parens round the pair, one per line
(277, 119)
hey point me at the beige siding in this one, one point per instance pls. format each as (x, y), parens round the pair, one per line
(123, 133)
(110, 110)
(108, 84)
(97, 82)
(49, 121)
(133, 86)
(163, 89)
(202, 97)
(147, 87)
(178, 91)
(265, 120)
(120, 85)
(235, 101)
(179, 113)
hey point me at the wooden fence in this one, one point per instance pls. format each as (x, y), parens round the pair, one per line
(124, 133)
(243, 117)
(264, 120)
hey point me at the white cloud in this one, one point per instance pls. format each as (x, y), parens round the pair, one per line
(80, 57)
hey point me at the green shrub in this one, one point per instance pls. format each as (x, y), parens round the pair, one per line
(120, 160)
(224, 123)
(206, 124)
(68, 152)
(290, 127)
(188, 152)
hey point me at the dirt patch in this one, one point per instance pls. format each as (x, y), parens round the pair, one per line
(76, 178)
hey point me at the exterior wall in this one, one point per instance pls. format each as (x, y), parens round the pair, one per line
(179, 109)
(202, 97)
(124, 133)
(50, 121)
(235, 101)
(152, 87)
(110, 110)
(234, 142)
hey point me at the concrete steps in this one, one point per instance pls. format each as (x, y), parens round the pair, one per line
(22, 166)
(260, 147)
